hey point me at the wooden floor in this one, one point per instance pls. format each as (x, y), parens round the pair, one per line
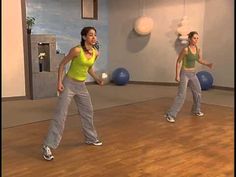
(138, 142)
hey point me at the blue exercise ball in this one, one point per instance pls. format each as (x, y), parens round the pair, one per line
(120, 76)
(206, 80)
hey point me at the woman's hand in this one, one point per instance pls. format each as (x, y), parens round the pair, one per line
(99, 81)
(177, 79)
(60, 87)
(209, 65)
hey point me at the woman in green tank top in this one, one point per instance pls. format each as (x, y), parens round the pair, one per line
(82, 58)
(186, 76)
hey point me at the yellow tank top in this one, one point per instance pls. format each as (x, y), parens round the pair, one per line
(79, 66)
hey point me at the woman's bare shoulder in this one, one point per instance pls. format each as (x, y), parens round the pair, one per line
(76, 49)
(184, 50)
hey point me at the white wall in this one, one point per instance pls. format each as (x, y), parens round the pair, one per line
(218, 39)
(13, 72)
(152, 58)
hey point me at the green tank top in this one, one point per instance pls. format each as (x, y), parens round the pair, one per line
(189, 59)
(79, 66)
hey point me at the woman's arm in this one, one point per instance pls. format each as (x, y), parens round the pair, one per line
(72, 54)
(179, 63)
(93, 74)
(203, 62)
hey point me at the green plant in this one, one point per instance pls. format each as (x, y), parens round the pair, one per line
(30, 21)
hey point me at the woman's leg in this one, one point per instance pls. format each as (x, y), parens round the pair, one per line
(179, 99)
(196, 91)
(85, 108)
(58, 122)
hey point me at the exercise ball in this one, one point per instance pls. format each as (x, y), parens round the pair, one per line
(143, 25)
(120, 76)
(206, 80)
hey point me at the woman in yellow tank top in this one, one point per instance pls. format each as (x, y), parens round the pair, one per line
(186, 76)
(82, 58)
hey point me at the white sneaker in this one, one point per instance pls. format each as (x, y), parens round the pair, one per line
(169, 118)
(96, 143)
(199, 114)
(47, 153)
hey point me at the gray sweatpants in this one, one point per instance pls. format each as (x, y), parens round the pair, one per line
(187, 78)
(78, 91)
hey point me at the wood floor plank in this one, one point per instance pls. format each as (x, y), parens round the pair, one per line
(138, 142)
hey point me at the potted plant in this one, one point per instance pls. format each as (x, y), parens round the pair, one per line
(30, 21)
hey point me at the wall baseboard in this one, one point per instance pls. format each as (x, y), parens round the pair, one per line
(176, 84)
(15, 98)
(153, 83)
(223, 88)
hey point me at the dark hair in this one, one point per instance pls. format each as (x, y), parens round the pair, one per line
(83, 34)
(191, 34)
